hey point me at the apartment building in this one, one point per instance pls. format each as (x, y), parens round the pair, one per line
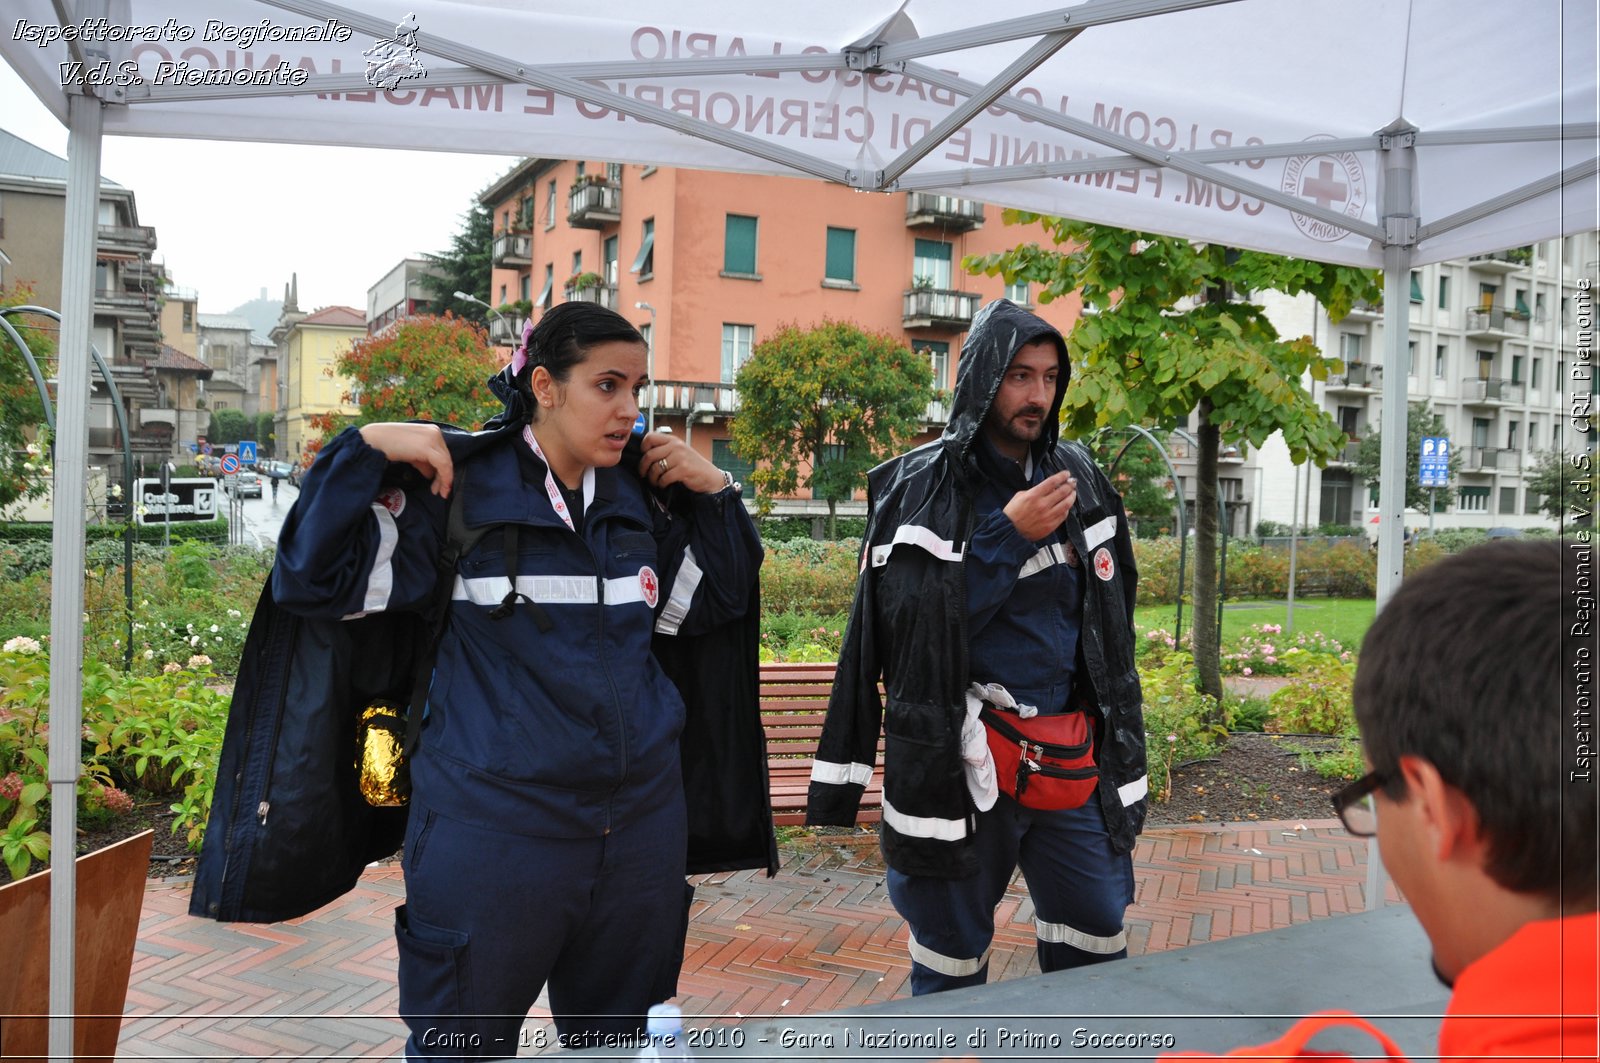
(708, 264)
(307, 345)
(1490, 347)
(400, 294)
(126, 329)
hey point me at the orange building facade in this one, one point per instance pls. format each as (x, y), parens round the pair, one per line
(725, 259)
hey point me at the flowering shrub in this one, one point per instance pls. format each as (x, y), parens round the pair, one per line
(160, 733)
(801, 637)
(1264, 651)
(806, 576)
(1155, 647)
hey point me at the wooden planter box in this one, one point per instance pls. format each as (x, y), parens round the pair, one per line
(110, 895)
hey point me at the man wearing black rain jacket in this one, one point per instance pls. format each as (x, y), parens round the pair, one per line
(997, 561)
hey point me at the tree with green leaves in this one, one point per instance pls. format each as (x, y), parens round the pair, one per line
(1567, 484)
(229, 426)
(24, 462)
(1163, 338)
(465, 267)
(1141, 478)
(1420, 421)
(428, 368)
(828, 402)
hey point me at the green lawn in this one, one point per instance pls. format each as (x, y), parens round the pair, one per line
(1345, 619)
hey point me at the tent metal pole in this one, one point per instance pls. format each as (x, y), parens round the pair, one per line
(1566, 179)
(84, 123)
(1399, 158)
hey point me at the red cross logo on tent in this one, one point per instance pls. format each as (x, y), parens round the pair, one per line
(1102, 564)
(1324, 189)
(649, 585)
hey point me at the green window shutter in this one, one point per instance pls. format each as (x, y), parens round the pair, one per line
(739, 250)
(723, 457)
(1416, 287)
(841, 258)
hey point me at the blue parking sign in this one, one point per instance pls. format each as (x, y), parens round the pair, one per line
(1433, 466)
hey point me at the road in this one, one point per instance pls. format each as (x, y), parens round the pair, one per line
(263, 517)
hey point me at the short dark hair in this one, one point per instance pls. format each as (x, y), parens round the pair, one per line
(1464, 667)
(563, 337)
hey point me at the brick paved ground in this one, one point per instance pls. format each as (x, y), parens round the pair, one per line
(821, 936)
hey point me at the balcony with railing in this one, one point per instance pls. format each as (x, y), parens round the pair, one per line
(689, 396)
(1508, 260)
(1358, 378)
(1496, 323)
(118, 301)
(594, 204)
(939, 308)
(1365, 312)
(512, 249)
(1348, 455)
(1491, 391)
(125, 237)
(502, 330)
(604, 294)
(1490, 459)
(949, 212)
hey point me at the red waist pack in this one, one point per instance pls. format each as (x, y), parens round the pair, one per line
(1044, 762)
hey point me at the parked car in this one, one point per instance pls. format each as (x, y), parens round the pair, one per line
(244, 484)
(278, 470)
(297, 473)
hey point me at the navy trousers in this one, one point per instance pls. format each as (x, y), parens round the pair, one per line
(490, 917)
(1080, 888)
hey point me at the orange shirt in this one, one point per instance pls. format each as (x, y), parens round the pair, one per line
(1534, 995)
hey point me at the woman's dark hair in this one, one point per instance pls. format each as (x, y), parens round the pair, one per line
(563, 337)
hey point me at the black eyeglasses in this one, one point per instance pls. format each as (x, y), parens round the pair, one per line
(1355, 806)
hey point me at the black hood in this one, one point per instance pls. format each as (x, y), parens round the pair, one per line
(999, 330)
(504, 386)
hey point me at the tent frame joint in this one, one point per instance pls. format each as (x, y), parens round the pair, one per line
(1400, 230)
(868, 59)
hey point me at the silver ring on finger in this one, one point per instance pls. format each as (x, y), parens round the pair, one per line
(663, 463)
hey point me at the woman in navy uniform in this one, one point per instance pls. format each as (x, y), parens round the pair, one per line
(546, 835)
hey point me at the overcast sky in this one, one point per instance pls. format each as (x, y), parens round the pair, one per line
(233, 218)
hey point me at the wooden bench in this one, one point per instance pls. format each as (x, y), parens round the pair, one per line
(794, 700)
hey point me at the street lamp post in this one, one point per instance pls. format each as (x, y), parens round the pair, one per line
(464, 297)
(650, 367)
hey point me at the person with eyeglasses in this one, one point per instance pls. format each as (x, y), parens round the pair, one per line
(1475, 701)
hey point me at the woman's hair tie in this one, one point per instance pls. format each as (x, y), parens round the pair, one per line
(519, 357)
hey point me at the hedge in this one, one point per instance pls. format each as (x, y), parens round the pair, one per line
(206, 531)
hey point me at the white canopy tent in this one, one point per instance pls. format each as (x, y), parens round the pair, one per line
(1388, 133)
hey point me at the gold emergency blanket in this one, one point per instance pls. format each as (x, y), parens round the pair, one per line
(380, 755)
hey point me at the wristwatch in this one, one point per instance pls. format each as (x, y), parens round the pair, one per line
(728, 481)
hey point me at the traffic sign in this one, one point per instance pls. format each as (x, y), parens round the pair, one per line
(1433, 466)
(247, 451)
(230, 463)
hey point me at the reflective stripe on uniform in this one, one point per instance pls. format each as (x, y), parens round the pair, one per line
(839, 774)
(1099, 532)
(380, 580)
(1134, 791)
(945, 830)
(916, 535)
(683, 588)
(1062, 934)
(548, 590)
(946, 965)
(1054, 554)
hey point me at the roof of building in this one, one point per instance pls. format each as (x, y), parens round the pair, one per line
(337, 316)
(19, 158)
(175, 360)
(510, 184)
(224, 321)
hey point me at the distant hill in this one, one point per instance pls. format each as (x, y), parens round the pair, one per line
(261, 313)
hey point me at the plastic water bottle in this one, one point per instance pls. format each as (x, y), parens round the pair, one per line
(665, 1026)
